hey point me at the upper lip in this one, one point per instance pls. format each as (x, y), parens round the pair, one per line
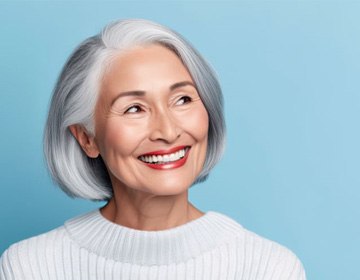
(164, 152)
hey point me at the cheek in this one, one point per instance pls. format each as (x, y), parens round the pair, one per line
(197, 122)
(120, 137)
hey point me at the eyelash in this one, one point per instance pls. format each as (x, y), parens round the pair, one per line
(187, 99)
(127, 111)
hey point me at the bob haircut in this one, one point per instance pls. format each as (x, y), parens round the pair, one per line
(76, 92)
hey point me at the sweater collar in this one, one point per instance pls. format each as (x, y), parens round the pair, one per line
(100, 236)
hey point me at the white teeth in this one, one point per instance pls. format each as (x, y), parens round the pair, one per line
(164, 158)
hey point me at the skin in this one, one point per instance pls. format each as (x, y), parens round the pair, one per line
(167, 113)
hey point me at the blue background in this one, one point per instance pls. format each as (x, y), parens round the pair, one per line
(290, 77)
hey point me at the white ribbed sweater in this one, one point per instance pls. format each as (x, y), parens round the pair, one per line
(91, 247)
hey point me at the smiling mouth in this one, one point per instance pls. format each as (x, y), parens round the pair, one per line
(163, 159)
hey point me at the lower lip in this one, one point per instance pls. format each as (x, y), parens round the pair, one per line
(169, 165)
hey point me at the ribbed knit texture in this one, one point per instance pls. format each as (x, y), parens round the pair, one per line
(91, 247)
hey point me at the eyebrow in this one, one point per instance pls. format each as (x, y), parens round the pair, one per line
(142, 93)
(128, 93)
(182, 84)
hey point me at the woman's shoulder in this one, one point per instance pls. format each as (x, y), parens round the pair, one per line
(37, 242)
(281, 258)
(256, 251)
(18, 259)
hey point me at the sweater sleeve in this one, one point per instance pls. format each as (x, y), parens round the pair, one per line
(15, 263)
(266, 259)
(298, 272)
(6, 270)
(290, 267)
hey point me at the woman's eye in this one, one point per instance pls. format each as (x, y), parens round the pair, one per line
(183, 100)
(133, 109)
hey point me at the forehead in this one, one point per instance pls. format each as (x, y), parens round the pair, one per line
(144, 68)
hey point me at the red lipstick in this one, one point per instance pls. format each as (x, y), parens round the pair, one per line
(170, 164)
(165, 152)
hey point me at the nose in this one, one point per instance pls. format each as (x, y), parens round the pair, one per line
(164, 127)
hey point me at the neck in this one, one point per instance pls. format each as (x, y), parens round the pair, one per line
(144, 211)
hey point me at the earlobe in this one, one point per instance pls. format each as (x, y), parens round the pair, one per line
(86, 141)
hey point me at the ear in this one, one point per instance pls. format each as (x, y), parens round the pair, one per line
(86, 141)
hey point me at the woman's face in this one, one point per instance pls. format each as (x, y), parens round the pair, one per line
(151, 125)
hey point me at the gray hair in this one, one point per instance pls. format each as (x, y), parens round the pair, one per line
(76, 92)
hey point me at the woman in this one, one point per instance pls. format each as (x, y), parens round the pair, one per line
(136, 119)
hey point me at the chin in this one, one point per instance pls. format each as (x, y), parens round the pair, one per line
(168, 189)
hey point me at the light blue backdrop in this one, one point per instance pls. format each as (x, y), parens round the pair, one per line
(290, 77)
